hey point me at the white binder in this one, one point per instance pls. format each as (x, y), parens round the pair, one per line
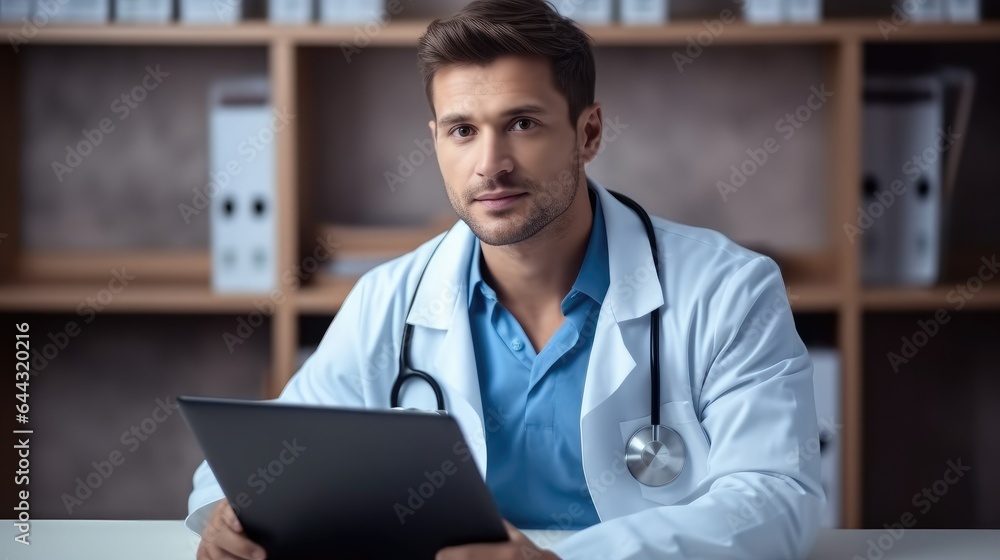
(964, 11)
(82, 11)
(763, 11)
(927, 10)
(290, 11)
(644, 12)
(903, 135)
(587, 12)
(15, 10)
(351, 11)
(243, 215)
(804, 11)
(144, 11)
(826, 383)
(211, 12)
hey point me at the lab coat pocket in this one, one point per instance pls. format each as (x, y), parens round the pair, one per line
(679, 416)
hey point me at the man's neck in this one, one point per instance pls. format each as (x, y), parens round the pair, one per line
(539, 272)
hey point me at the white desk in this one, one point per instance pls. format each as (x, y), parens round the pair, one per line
(169, 540)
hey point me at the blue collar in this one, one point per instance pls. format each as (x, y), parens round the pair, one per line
(593, 279)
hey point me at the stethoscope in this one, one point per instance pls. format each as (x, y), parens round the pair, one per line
(654, 454)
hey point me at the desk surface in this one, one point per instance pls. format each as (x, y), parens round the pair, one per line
(169, 540)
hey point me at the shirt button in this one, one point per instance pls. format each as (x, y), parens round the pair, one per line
(516, 344)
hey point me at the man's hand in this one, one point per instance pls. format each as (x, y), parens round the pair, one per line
(223, 538)
(518, 548)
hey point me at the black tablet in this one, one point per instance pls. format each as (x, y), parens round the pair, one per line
(330, 482)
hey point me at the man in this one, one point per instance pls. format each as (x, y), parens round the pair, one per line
(533, 313)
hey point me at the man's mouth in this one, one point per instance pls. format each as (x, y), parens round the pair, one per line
(500, 199)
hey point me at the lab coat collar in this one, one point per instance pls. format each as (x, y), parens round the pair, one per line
(634, 290)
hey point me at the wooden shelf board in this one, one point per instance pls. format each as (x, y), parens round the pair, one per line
(323, 298)
(94, 267)
(405, 33)
(923, 299)
(249, 33)
(133, 299)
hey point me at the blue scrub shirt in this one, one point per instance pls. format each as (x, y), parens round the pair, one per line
(532, 401)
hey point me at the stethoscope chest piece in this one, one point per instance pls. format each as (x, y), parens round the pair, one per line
(655, 455)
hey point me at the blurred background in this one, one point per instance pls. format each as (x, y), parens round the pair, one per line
(189, 189)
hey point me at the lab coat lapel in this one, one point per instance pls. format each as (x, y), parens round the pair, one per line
(634, 291)
(443, 336)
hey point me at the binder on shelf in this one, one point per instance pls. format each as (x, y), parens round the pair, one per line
(339, 12)
(290, 11)
(82, 11)
(644, 12)
(963, 11)
(929, 11)
(912, 144)
(826, 386)
(804, 11)
(763, 11)
(15, 10)
(211, 12)
(587, 12)
(144, 11)
(243, 204)
(901, 202)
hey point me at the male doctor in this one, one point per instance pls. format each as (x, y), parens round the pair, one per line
(534, 317)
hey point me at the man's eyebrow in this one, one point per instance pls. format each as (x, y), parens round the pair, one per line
(455, 118)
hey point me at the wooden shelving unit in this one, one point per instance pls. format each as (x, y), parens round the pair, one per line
(59, 282)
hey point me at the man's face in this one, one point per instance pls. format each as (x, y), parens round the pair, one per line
(507, 151)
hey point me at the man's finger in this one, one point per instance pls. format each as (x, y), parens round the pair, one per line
(478, 552)
(215, 553)
(230, 516)
(238, 546)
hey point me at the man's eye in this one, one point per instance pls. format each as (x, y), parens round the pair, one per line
(462, 131)
(523, 124)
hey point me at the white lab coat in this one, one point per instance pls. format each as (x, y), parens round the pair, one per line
(736, 384)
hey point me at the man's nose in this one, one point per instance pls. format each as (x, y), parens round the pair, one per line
(494, 156)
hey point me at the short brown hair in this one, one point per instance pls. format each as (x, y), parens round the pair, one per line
(486, 29)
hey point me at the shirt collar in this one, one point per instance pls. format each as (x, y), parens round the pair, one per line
(593, 279)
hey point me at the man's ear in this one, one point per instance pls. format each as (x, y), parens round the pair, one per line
(433, 126)
(591, 127)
